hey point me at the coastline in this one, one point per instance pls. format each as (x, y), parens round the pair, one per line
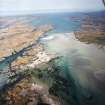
(19, 36)
(61, 66)
(27, 54)
(92, 31)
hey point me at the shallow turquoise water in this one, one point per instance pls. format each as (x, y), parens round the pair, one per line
(82, 64)
(60, 22)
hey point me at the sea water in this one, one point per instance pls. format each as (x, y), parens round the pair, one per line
(82, 65)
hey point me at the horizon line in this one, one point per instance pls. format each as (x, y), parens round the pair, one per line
(25, 12)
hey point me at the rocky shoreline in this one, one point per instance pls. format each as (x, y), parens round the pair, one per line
(20, 88)
(18, 36)
(92, 31)
(28, 93)
(24, 88)
(34, 77)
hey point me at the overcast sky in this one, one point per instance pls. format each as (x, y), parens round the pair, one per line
(25, 6)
